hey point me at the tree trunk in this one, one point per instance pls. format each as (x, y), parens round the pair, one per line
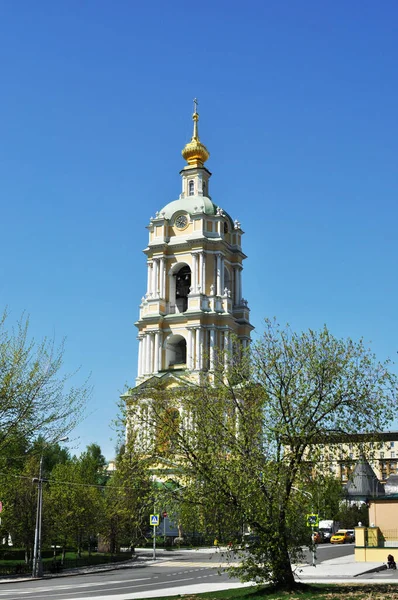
(281, 568)
(280, 560)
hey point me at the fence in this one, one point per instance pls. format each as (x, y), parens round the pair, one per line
(375, 538)
(55, 566)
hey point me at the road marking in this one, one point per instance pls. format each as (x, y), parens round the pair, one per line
(61, 588)
(102, 591)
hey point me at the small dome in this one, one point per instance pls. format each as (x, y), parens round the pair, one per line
(190, 205)
(195, 153)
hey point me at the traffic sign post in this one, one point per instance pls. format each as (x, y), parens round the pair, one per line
(154, 520)
(313, 521)
(164, 527)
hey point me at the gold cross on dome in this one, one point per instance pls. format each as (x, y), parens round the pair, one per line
(195, 105)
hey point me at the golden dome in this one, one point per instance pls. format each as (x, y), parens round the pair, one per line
(195, 153)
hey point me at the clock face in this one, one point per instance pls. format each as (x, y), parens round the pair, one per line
(181, 221)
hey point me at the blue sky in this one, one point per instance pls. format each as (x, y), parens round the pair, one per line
(298, 107)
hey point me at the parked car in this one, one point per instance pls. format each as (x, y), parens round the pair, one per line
(340, 537)
(328, 527)
(351, 533)
(317, 537)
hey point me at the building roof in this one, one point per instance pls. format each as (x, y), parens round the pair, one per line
(391, 485)
(363, 482)
(191, 205)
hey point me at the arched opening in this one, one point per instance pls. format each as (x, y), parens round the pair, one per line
(191, 187)
(227, 279)
(182, 288)
(176, 352)
(204, 188)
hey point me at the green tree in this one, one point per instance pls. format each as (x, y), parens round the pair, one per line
(327, 495)
(128, 501)
(74, 503)
(245, 433)
(353, 514)
(35, 395)
(19, 497)
(93, 464)
(19, 466)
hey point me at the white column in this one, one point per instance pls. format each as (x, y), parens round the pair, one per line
(195, 273)
(152, 354)
(156, 353)
(201, 349)
(162, 277)
(143, 357)
(155, 285)
(226, 348)
(240, 284)
(189, 349)
(147, 343)
(201, 278)
(236, 284)
(160, 347)
(218, 274)
(197, 349)
(148, 353)
(139, 357)
(212, 348)
(149, 284)
(222, 275)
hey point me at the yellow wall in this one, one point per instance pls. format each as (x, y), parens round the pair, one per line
(384, 514)
(368, 539)
(374, 554)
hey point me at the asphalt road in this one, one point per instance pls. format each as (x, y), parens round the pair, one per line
(182, 569)
(329, 551)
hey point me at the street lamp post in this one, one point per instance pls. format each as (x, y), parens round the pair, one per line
(37, 567)
(37, 570)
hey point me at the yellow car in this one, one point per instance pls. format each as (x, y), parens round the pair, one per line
(340, 537)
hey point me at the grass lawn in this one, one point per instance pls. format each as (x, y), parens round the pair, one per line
(307, 592)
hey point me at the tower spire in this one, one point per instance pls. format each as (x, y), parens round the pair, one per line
(195, 118)
(195, 153)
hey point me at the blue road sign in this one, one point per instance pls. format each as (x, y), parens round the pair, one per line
(154, 520)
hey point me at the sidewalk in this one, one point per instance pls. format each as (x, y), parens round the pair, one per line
(341, 569)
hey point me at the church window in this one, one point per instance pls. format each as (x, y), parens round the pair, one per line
(176, 352)
(183, 284)
(191, 187)
(225, 227)
(204, 188)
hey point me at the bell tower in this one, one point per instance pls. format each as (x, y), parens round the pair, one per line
(193, 307)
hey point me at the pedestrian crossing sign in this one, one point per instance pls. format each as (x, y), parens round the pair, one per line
(312, 520)
(154, 520)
